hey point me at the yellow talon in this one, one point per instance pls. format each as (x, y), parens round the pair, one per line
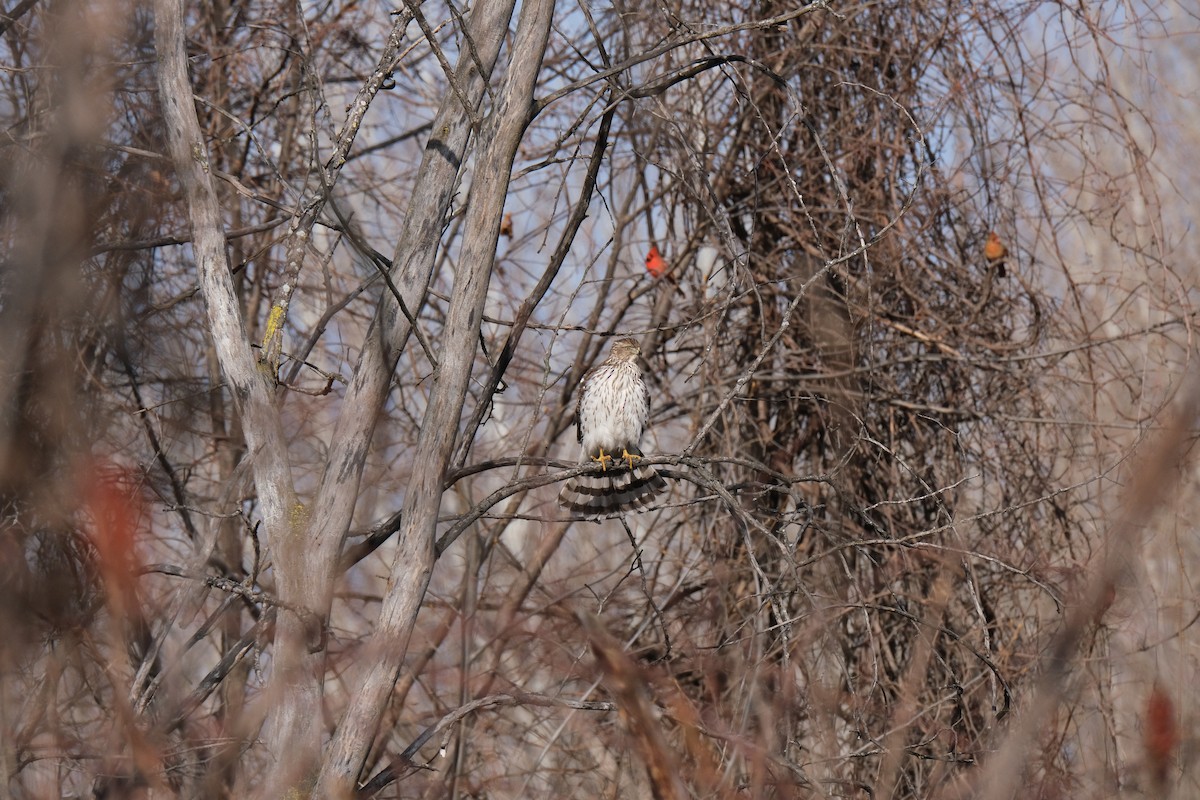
(603, 459)
(629, 458)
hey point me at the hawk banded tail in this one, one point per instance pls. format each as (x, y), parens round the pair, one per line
(612, 409)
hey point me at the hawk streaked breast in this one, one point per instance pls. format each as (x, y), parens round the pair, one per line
(611, 411)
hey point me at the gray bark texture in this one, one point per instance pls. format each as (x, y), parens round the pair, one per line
(251, 388)
(306, 542)
(414, 557)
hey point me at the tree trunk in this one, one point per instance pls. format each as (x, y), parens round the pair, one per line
(414, 557)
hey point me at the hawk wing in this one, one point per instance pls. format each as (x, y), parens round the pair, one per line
(579, 392)
(646, 401)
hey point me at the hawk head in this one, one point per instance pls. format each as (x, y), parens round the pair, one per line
(625, 350)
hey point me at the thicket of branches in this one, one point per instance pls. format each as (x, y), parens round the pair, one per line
(282, 437)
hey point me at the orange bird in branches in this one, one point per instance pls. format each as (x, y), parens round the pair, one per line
(655, 264)
(995, 252)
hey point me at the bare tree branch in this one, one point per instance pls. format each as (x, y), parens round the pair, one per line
(252, 391)
(415, 547)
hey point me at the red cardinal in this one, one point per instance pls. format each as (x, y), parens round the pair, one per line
(654, 263)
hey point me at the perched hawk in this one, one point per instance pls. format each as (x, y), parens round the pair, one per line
(612, 409)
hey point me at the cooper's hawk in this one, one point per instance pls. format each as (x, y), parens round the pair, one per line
(612, 408)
